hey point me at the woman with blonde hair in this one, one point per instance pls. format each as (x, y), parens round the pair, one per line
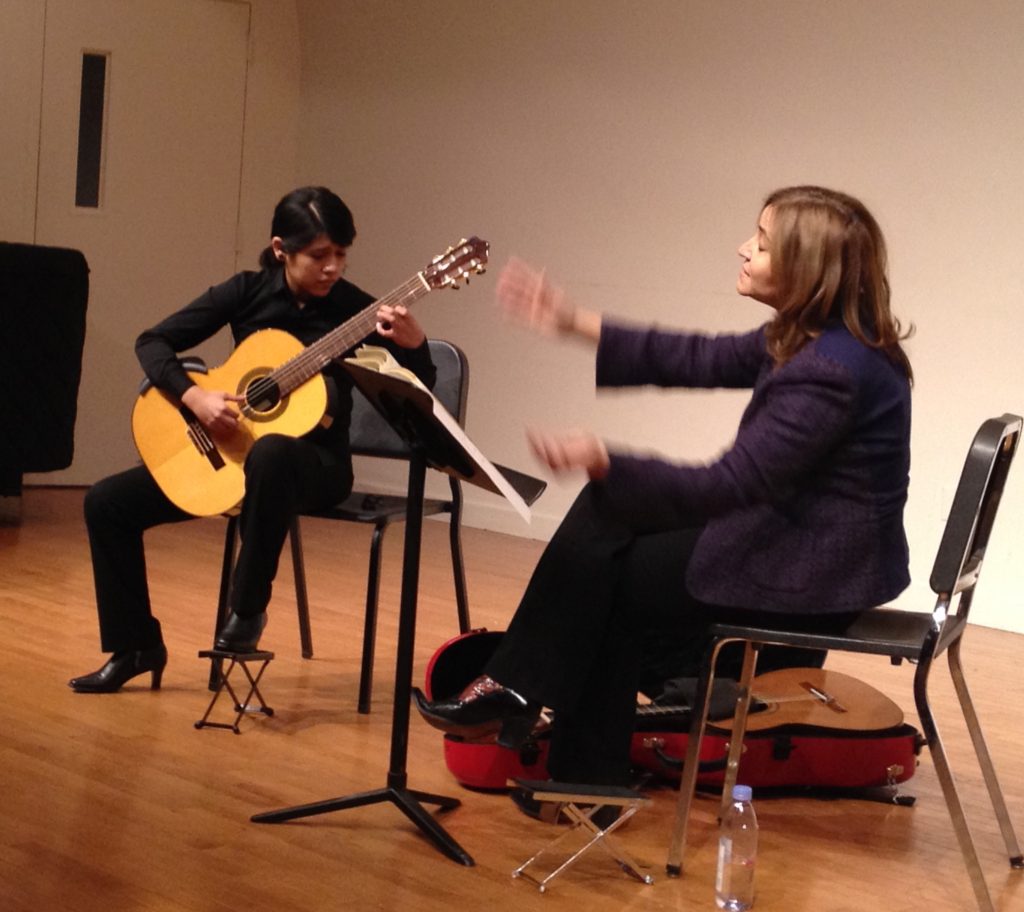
(802, 514)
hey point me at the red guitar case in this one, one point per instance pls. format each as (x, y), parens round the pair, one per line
(784, 756)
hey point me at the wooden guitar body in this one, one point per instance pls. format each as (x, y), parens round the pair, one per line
(814, 696)
(204, 475)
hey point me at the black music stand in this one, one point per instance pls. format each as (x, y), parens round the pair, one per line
(434, 439)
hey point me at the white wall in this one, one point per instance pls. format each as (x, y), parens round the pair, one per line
(178, 213)
(270, 153)
(627, 146)
(21, 43)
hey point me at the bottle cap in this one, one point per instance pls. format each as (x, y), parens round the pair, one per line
(742, 793)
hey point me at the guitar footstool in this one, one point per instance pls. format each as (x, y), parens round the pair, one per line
(222, 677)
(580, 804)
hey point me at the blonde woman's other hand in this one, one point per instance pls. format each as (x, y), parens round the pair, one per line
(571, 450)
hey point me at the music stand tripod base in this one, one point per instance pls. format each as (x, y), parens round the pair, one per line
(396, 792)
(433, 439)
(236, 660)
(408, 801)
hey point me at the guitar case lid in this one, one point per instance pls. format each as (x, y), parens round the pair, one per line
(458, 661)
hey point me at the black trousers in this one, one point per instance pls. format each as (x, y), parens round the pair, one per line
(606, 609)
(283, 476)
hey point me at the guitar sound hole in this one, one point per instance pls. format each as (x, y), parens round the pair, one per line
(262, 395)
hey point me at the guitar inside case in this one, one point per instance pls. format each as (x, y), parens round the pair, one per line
(785, 758)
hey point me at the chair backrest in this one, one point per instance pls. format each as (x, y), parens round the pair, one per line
(962, 549)
(371, 435)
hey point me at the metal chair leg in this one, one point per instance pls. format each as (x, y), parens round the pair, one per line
(458, 565)
(739, 724)
(370, 618)
(949, 790)
(988, 770)
(226, 569)
(691, 764)
(224, 596)
(301, 592)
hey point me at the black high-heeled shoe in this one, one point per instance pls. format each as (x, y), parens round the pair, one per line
(121, 668)
(483, 708)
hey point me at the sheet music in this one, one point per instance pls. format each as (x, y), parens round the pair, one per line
(487, 475)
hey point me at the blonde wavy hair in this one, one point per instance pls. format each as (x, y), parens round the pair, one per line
(829, 257)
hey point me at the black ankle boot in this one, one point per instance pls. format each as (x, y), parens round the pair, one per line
(483, 708)
(241, 634)
(122, 667)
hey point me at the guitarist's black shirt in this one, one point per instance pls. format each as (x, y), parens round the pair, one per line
(251, 301)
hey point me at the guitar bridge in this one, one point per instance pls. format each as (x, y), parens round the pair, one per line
(201, 440)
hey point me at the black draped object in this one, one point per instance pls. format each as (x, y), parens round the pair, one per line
(43, 296)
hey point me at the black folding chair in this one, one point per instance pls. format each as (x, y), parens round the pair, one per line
(918, 637)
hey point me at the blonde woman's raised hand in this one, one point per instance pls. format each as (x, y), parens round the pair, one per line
(528, 298)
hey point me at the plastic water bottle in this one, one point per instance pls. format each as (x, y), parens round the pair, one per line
(737, 853)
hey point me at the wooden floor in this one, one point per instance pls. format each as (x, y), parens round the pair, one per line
(116, 802)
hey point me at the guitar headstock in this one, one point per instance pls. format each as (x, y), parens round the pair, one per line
(468, 257)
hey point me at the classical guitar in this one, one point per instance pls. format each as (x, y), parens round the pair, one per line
(814, 696)
(283, 389)
(802, 696)
(807, 727)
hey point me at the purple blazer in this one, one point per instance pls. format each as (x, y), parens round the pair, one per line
(804, 512)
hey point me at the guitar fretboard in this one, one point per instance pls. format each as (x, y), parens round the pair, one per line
(314, 358)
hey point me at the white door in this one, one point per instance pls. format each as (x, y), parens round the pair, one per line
(166, 221)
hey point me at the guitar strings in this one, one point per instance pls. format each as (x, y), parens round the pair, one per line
(316, 357)
(311, 360)
(341, 338)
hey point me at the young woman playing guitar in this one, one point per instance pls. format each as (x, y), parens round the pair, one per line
(299, 289)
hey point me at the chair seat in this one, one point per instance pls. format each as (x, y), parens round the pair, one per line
(880, 631)
(376, 508)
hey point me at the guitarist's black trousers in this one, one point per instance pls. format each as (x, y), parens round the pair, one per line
(605, 613)
(283, 476)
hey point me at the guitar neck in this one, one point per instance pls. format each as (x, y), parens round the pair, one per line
(314, 358)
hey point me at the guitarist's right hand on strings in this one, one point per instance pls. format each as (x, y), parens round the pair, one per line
(213, 408)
